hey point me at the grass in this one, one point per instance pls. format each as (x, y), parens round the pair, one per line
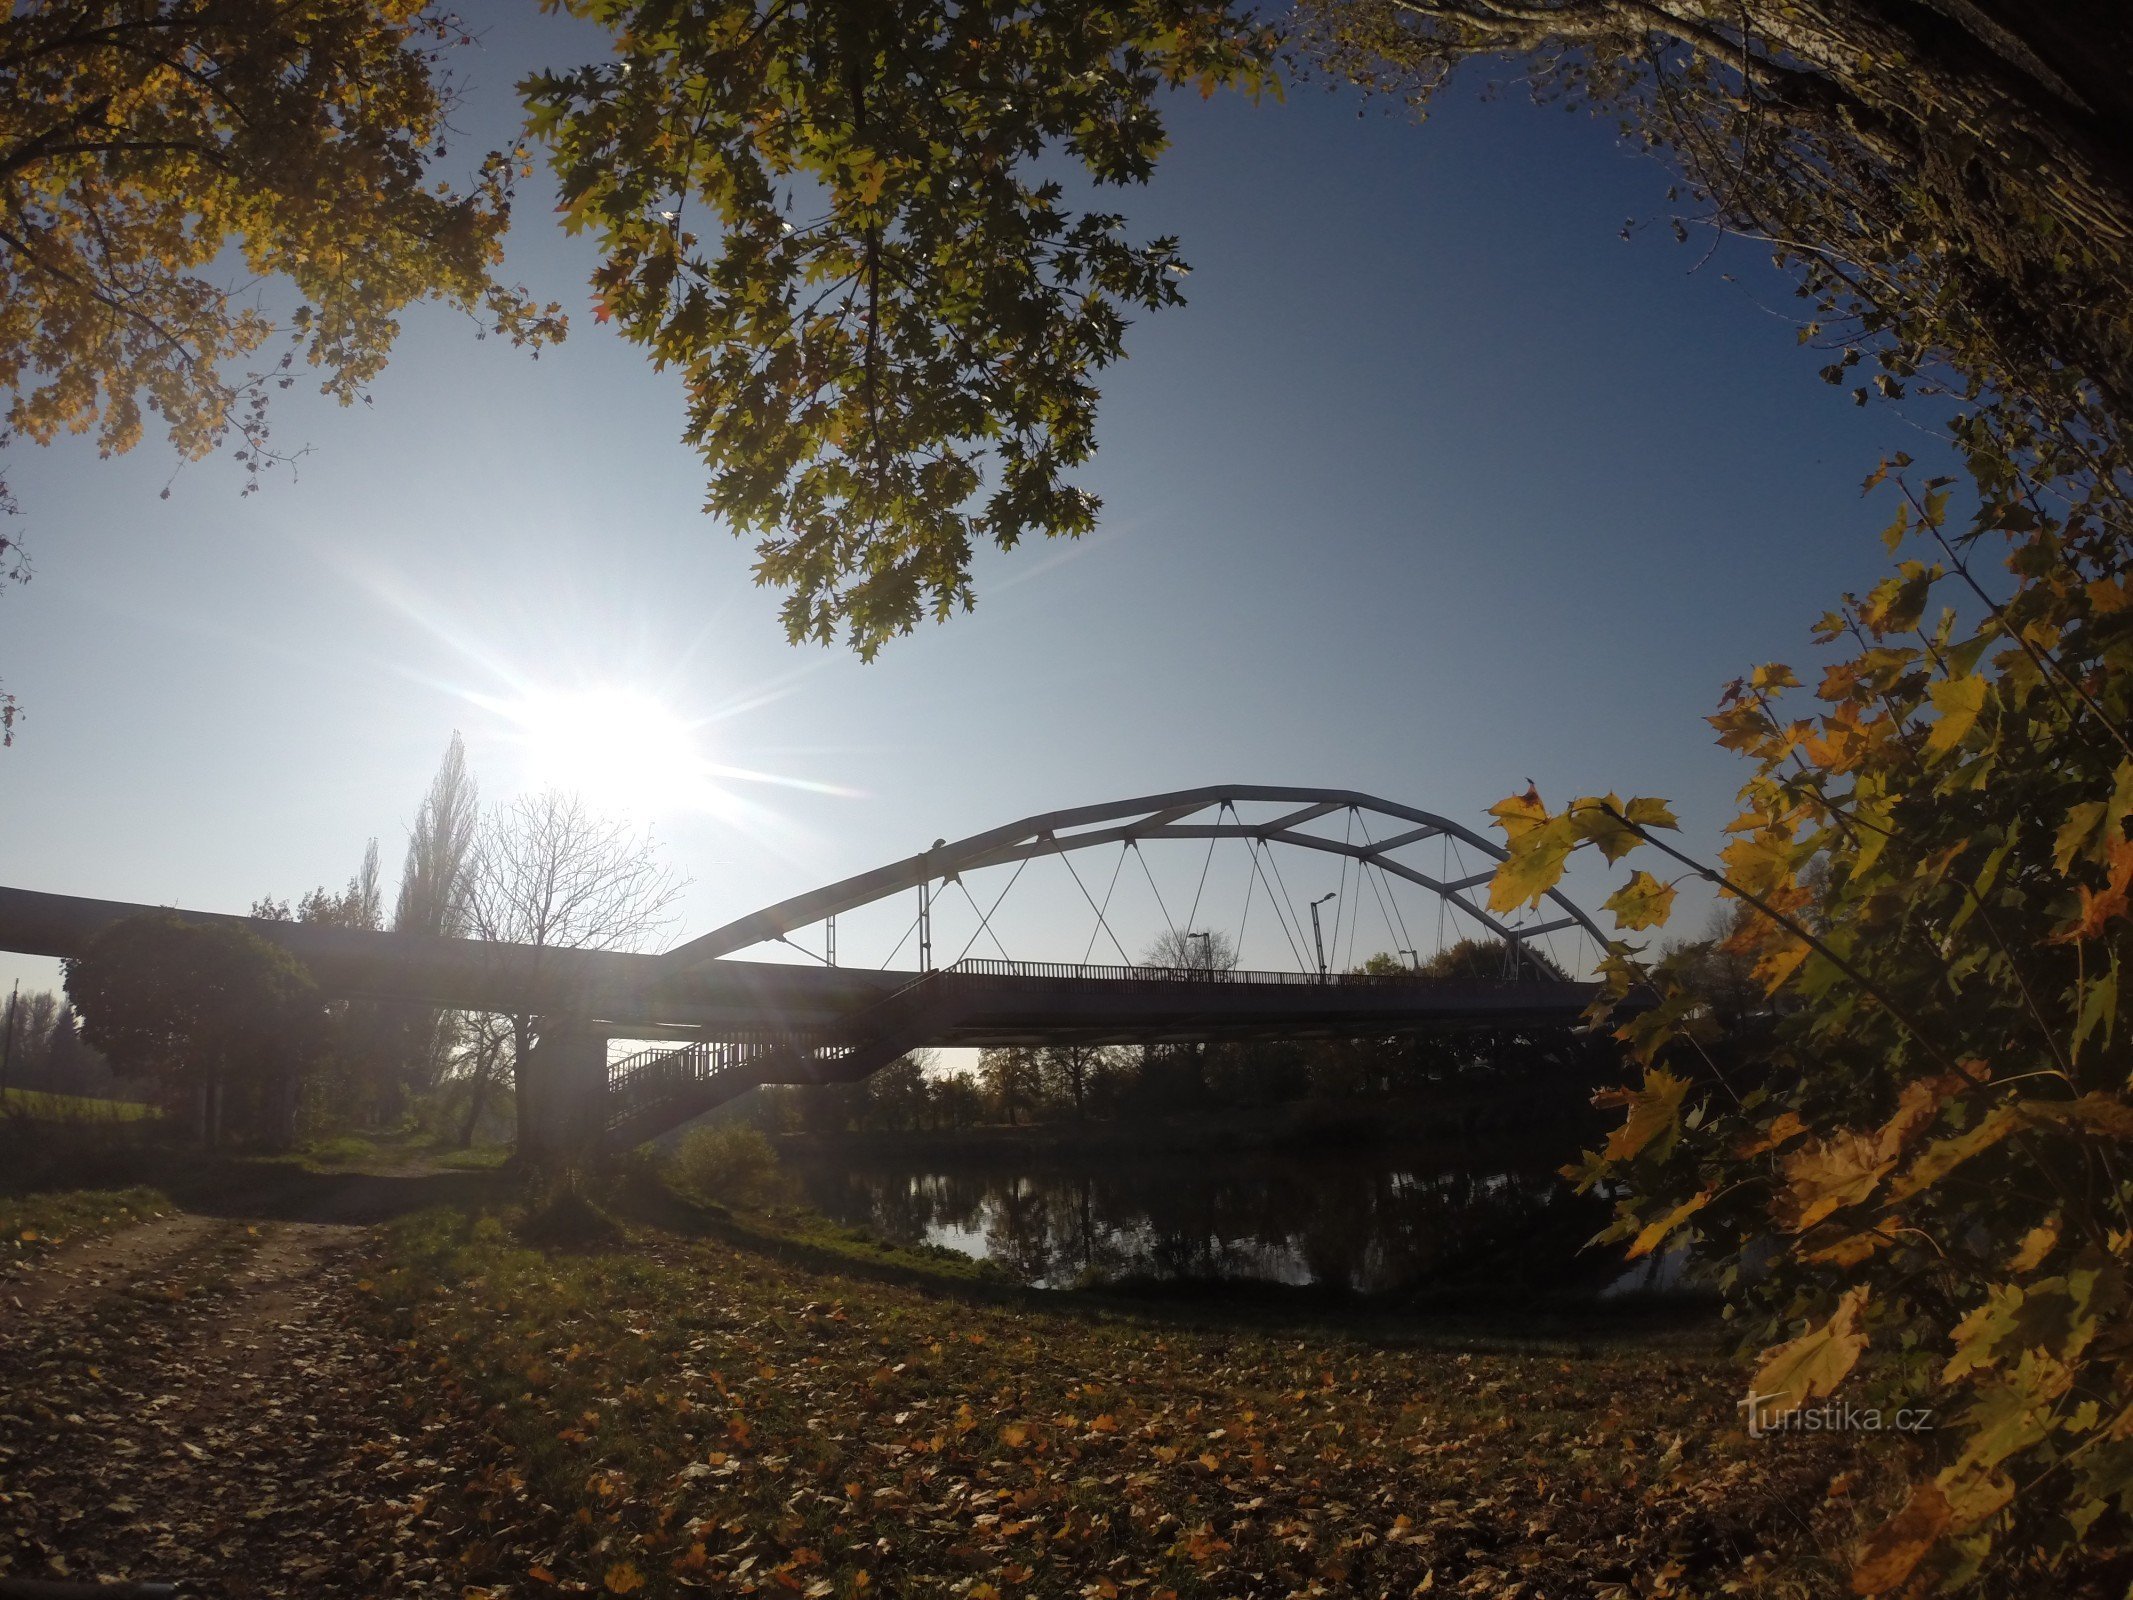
(40, 1222)
(343, 1152)
(41, 1106)
(716, 1412)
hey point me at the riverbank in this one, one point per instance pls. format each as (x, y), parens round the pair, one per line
(664, 1399)
(671, 1409)
(1548, 1127)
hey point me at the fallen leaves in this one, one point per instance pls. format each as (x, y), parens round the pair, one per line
(895, 1447)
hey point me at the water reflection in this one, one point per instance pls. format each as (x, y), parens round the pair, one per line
(1343, 1223)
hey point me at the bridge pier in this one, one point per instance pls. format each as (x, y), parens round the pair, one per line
(562, 1093)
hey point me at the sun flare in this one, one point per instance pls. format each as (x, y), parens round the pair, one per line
(620, 748)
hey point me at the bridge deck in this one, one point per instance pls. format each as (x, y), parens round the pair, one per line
(997, 1002)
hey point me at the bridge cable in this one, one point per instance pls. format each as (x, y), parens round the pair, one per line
(1390, 891)
(1384, 916)
(1294, 949)
(1212, 839)
(1176, 944)
(1444, 875)
(1291, 899)
(1244, 921)
(893, 954)
(1067, 862)
(1117, 867)
(985, 917)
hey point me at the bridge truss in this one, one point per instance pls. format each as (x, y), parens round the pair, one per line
(1379, 844)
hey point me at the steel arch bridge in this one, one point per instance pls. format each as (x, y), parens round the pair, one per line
(1212, 813)
(733, 1024)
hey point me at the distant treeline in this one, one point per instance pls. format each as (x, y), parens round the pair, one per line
(1094, 1084)
(1071, 1083)
(41, 1048)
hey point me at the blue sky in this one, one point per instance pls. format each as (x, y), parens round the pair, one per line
(1435, 486)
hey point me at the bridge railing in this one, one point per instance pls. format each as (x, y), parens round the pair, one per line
(992, 968)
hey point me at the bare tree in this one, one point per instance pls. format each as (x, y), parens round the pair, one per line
(1188, 951)
(548, 872)
(433, 901)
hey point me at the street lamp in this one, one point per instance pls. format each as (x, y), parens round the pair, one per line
(1207, 950)
(1413, 960)
(1317, 941)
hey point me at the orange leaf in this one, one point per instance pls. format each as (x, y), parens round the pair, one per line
(1894, 1549)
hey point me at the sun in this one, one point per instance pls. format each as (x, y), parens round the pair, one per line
(620, 748)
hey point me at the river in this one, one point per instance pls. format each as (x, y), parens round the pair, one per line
(1355, 1222)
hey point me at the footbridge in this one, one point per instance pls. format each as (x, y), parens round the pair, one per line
(725, 1023)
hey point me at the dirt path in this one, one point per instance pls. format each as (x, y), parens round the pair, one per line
(195, 1401)
(83, 1270)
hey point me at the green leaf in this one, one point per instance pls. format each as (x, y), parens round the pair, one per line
(1892, 535)
(2081, 834)
(2099, 1006)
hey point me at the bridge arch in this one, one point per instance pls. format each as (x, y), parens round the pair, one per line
(1208, 813)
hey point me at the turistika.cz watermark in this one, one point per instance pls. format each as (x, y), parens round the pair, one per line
(1765, 1416)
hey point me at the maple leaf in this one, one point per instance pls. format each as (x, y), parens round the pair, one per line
(1643, 902)
(1817, 1361)
(1654, 1112)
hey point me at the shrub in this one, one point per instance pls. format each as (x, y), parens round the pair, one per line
(732, 1164)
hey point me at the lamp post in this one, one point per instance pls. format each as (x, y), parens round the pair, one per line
(1317, 940)
(1207, 950)
(1414, 961)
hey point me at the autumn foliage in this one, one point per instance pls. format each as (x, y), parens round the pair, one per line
(1938, 858)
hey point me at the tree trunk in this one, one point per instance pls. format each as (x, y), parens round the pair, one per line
(477, 1096)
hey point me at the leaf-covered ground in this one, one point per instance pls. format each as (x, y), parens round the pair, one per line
(679, 1415)
(254, 1406)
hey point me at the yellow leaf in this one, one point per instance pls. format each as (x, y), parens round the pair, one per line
(1646, 812)
(1784, 1126)
(2035, 1246)
(1814, 1364)
(1974, 1493)
(1841, 1170)
(1519, 814)
(1958, 700)
(1943, 1156)
(2110, 595)
(1643, 902)
(1598, 820)
(1780, 962)
(623, 1577)
(1654, 1110)
(1534, 866)
(1655, 1231)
